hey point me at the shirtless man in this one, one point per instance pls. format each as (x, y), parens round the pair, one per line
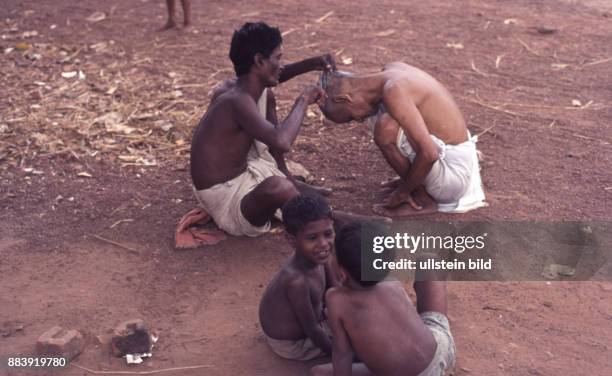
(420, 131)
(377, 322)
(235, 179)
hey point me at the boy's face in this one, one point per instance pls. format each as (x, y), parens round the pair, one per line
(315, 241)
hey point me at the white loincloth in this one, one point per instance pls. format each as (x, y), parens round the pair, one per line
(454, 180)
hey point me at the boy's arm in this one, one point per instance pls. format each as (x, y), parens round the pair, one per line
(299, 296)
(323, 62)
(402, 108)
(342, 351)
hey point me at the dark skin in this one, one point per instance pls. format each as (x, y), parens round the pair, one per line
(171, 23)
(402, 346)
(292, 305)
(224, 136)
(324, 62)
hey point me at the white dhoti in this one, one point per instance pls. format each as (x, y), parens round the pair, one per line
(454, 180)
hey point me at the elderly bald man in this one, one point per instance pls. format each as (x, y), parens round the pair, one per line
(420, 131)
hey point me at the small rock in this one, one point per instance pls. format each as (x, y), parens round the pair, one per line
(60, 342)
(131, 337)
(546, 30)
(606, 287)
(297, 169)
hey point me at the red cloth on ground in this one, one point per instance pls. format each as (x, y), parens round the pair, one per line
(187, 236)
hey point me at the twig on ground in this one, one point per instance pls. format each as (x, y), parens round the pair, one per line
(121, 221)
(477, 70)
(117, 244)
(486, 130)
(493, 107)
(139, 372)
(589, 138)
(527, 47)
(596, 62)
(325, 16)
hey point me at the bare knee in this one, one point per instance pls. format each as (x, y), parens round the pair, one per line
(322, 370)
(385, 131)
(279, 189)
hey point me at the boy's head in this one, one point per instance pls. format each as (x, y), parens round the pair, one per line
(349, 257)
(257, 44)
(310, 227)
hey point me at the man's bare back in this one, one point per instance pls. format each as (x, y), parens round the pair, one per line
(437, 107)
(384, 328)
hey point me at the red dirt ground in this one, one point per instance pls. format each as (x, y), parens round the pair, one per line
(545, 159)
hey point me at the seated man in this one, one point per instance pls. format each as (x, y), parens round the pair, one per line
(377, 322)
(235, 179)
(420, 131)
(267, 107)
(291, 309)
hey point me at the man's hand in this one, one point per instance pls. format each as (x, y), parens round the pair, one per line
(401, 196)
(325, 63)
(314, 94)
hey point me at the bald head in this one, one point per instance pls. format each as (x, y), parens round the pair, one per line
(344, 97)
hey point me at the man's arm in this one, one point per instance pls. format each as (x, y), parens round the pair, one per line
(282, 137)
(299, 297)
(402, 108)
(272, 117)
(323, 62)
(342, 351)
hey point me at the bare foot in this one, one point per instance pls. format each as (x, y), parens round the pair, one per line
(310, 189)
(386, 188)
(404, 210)
(169, 25)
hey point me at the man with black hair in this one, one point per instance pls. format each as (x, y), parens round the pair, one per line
(377, 322)
(238, 146)
(291, 309)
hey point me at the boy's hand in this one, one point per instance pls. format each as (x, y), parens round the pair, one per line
(314, 94)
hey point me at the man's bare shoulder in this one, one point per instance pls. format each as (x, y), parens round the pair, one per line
(397, 65)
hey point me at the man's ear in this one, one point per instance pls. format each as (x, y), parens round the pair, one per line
(258, 60)
(342, 98)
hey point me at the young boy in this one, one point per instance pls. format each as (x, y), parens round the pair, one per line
(171, 5)
(291, 309)
(378, 323)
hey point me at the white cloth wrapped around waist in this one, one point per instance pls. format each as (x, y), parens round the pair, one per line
(454, 180)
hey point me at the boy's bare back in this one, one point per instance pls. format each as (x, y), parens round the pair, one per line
(277, 313)
(383, 327)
